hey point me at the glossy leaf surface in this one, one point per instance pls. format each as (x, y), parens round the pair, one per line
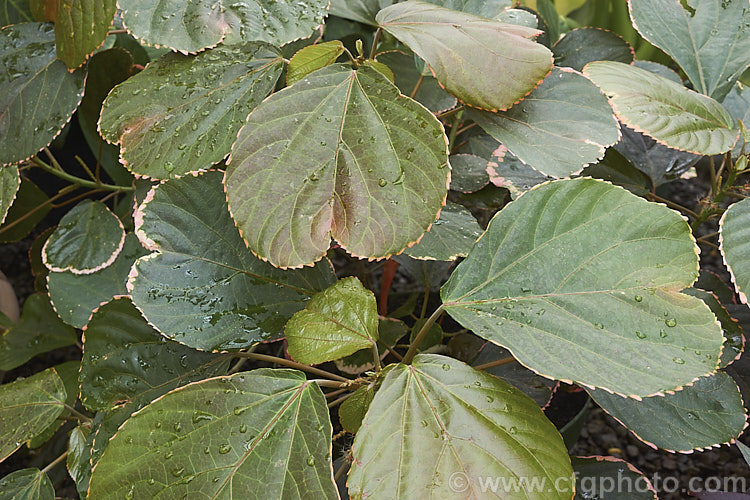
(584, 45)
(451, 236)
(26, 484)
(735, 245)
(80, 28)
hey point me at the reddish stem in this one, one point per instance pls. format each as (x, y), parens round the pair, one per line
(389, 271)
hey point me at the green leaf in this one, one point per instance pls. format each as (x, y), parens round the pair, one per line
(580, 269)
(665, 110)
(406, 75)
(26, 484)
(27, 407)
(362, 11)
(193, 25)
(733, 338)
(105, 70)
(734, 240)
(468, 173)
(81, 27)
(507, 171)
(88, 239)
(700, 416)
(710, 41)
(458, 46)
(182, 113)
(584, 45)
(353, 410)
(616, 169)
(92, 290)
(659, 69)
(460, 421)
(68, 373)
(450, 236)
(737, 102)
(336, 322)
(10, 181)
(563, 125)
(312, 58)
(595, 474)
(38, 331)
(28, 209)
(339, 154)
(37, 93)
(224, 437)
(491, 9)
(202, 286)
(125, 359)
(14, 12)
(745, 452)
(551, 18)
(78, 455)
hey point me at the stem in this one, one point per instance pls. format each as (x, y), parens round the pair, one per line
(671, 204)
(376, 356)
(291, 364)
(709, 235)
(52, 159)
(86, 168)
(77, 180)
(335, 393)
(341, 470)
(395, 354)
(417, 85)
(389, 271)
(339, 400)
(352, 59)
(80, 416)
(497, 362)
(55, 462)
(409, 356)
(449, 113)
(31, 212)
(375, 41)
(704, 242)
(117, 32)
(330, 383)
(454, 131)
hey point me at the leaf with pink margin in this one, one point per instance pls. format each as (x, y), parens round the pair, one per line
(81, 27)
(734, 241)
(596, 475)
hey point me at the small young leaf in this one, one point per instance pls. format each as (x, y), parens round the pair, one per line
(81, 27)
(335, 323)
(551, 281)
(339, 154)
(37, 93)
(27, 407)
(193, 25)
(563, 125)
(734, 241)
(458, 46)
(700, 416)
(182, 113)
(665, 110)
(450, 237)
(312, 58)
(27, 484)
(202, 287)
(584, 45)
(216, 437)
(353, 410)
(441, 412)
(595, 474)
(78, 454)
(10, 181)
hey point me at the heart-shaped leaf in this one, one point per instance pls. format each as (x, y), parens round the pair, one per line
(182, 113)
(665, 110)
(466, 424)
(336, 322)
(595, 474)
(706, 414)
(735, 245)
(10, 181)
(81, 27)
(450, 237)
(202, 286)
(37, 93)
(339, 154)
(88, 239)
(125, 359)
(580, 269)
(39, 330)
(193, 25)
(458, 46)
(312, 58)
(224, 437)
(707, 38)
(27, 407)
(563, 125)
(584, 45)
(27, 484)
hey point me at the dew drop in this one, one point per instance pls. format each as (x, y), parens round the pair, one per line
(640, 335)
(679, 361)
(671, 322)
(225, 448)
(638, 298)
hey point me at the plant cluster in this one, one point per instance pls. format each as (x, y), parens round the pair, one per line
(251, 171)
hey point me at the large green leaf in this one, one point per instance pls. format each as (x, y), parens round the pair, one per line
(37, 93)
(468, 173)
(125, 359)
(10, 181)
(459, 46)
(491, 9)
(202, 286)
(450, 236)
(193, 25)
(260, 434)
(734, 342)
(26, 484)
(437, 427)
(88, 239)
(737, 102)
(583, 270)
(92, 290)
(563, 125)
(68, 373)
(700, 416)
(39, 330)
(182, 113)
(665, 110)
(81, 27)
(735, 245)
(584, 45)
(709, 39)
(406, 74)
(362, 11)
(594, 475)
(341, 154)
(337, 322)
(27, 407)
